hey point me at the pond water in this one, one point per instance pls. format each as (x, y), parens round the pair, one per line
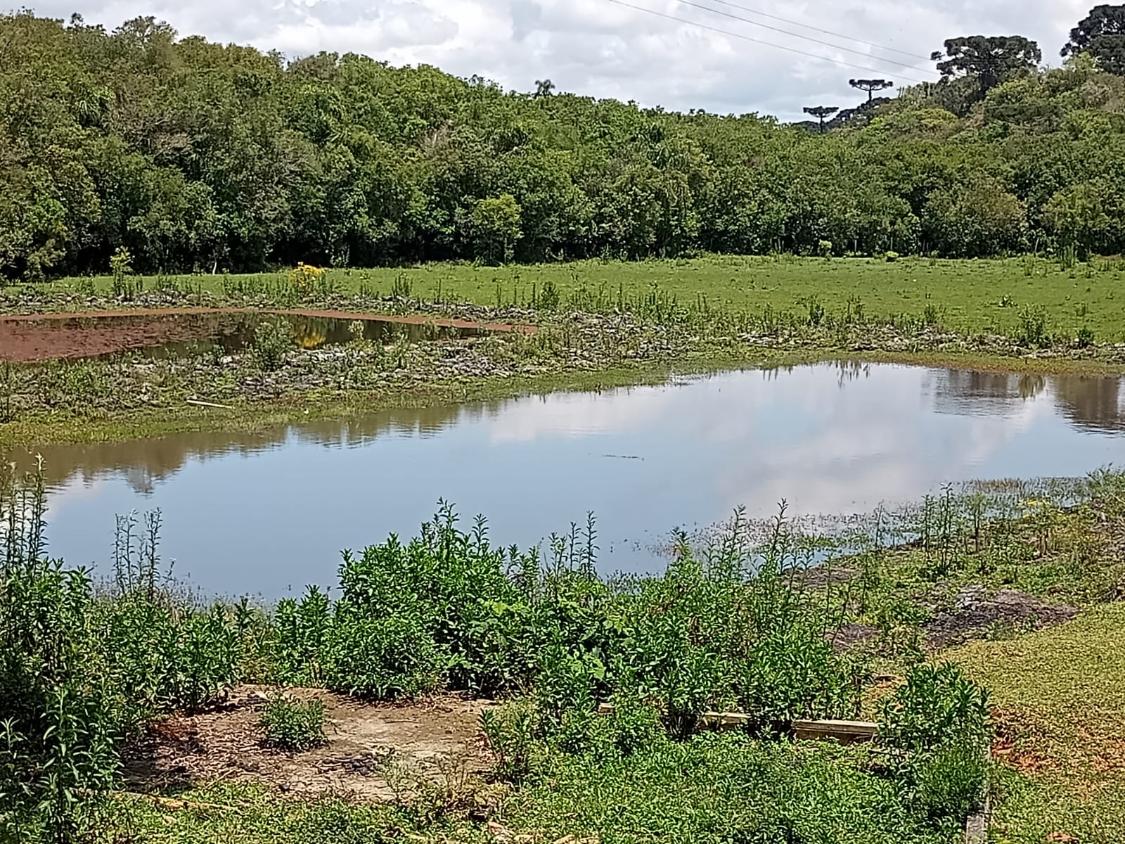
(269, 512)
(234, 332)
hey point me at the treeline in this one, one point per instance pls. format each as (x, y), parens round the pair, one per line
(197, 156)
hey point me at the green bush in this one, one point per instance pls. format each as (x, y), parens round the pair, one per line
(63, 719)
(272, 339)
(292, 724)
(937, 705)
(82, 671)
(947, 782)
(199, 657)
(937, 730)
(512, 731)
(1032, 329)
(300, 631)
(732, 631)
(382, 658)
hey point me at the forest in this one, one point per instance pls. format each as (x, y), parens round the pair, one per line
(203, 157)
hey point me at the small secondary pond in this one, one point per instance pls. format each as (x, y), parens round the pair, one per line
(269, 512)
(186, 333)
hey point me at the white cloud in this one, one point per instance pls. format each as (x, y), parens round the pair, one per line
(597, 48)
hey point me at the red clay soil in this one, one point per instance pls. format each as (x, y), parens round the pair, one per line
(36, 337)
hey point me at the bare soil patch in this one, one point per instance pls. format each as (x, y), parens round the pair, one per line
(977, 612)
(366, 745)
(36, 337)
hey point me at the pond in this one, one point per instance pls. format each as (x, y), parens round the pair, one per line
(266, 513)
(186, 333)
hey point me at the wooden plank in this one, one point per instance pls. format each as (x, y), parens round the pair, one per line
(845, 731)
(842, 731)
(719, 720)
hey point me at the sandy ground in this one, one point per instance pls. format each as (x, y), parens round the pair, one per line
(371, 750)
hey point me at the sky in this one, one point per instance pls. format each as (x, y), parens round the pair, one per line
(604, 49)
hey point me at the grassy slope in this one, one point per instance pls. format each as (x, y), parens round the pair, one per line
(1060, 699)
(968, 294)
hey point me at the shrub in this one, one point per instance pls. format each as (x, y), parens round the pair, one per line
(735, 631)
(549, 298)
(125, 285)
(62, 716)
(272, 339)
(382, 658)
(1085, 337)
(292, 724)
(62, 721)
(300, 630)
(1032, 328)
(199, 656)
(512, 733)
(938, 704)
(936, 727)
(305, 279)
(947, 782)
(890, 257)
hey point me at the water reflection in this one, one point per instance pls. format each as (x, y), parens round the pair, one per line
(179, 335)
(1093, 403)
(265, 511)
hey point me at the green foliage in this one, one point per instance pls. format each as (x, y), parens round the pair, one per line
(381, 658)
(289, 723)
(1032, 330)
(989, 60)
(1101, 35)
(345, 161)
(512, 731)
(1087, 216)
(937, 729)
(717, 788)
(496, 227)
(125, 286)
(80, 673)
(272, 339)
(946, 784)
(449, 610)
(974, 218)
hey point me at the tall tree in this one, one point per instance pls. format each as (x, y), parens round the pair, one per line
(1101, 34)
(990, 59)
(871, 85)
(543, 88)
(821, 112)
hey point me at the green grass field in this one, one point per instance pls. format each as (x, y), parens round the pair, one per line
(968, 296)
(1059, 695)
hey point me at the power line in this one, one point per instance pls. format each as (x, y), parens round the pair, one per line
(797, 35)
(875, 44)
(752, 40)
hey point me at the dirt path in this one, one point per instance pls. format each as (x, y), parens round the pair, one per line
(367, 744)
(35, 337)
